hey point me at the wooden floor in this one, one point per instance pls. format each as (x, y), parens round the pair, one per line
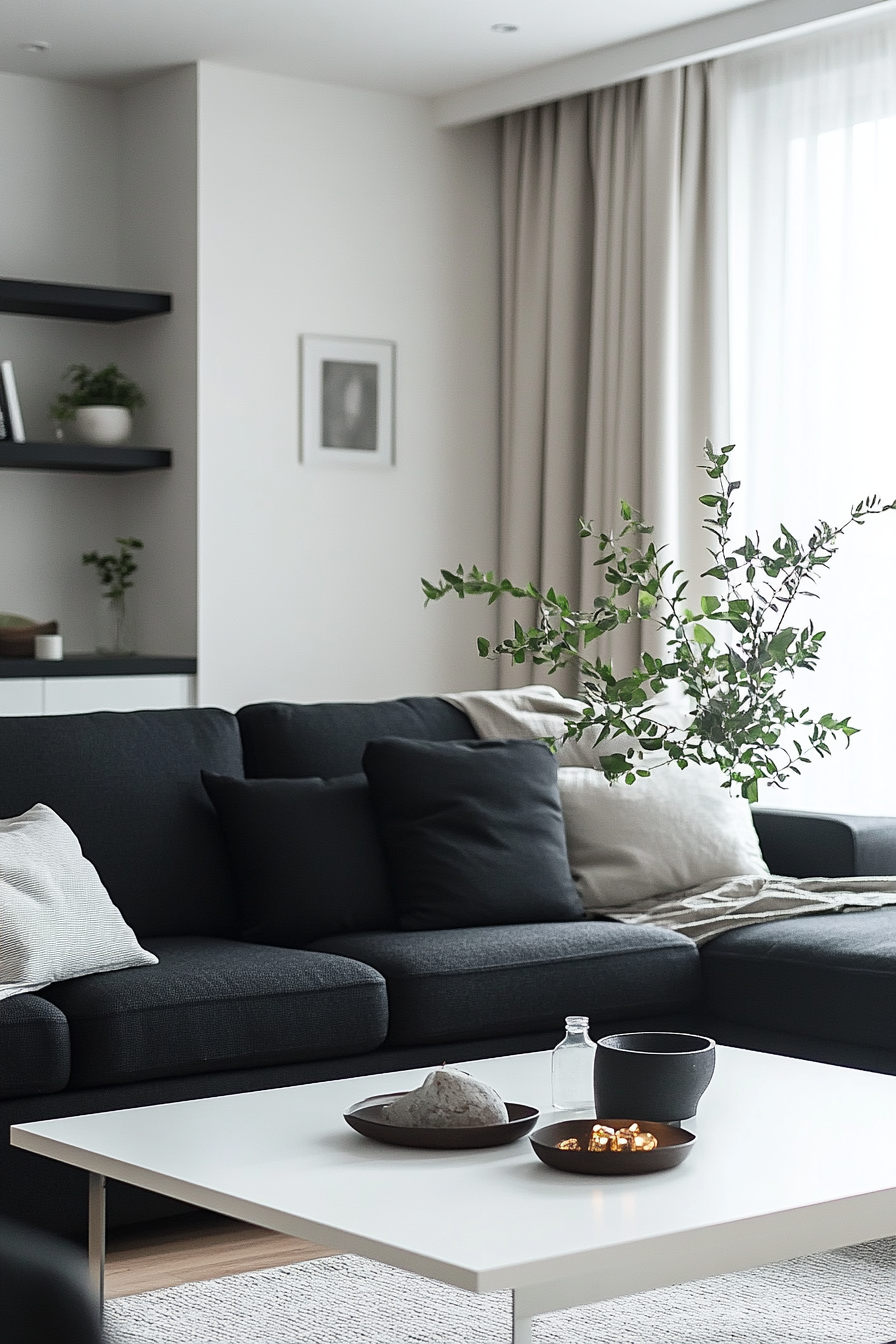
(201, 1246)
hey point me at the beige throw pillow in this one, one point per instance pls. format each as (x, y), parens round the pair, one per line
(57, 920)
(628, 843)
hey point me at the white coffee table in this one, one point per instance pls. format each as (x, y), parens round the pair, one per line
(775, 1174)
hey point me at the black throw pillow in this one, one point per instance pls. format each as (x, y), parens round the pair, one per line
(305, 855)
(472, 832)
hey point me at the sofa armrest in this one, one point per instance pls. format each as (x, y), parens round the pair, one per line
(817, 844)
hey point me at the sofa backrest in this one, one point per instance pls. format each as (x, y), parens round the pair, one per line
(129, 786)
(283, 741)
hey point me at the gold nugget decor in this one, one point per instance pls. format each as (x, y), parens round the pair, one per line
(605, 1139)
(611, 1147)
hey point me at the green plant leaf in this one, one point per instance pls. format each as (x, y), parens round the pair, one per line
(613, 763)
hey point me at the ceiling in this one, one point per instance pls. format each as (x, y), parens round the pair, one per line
(425, 47)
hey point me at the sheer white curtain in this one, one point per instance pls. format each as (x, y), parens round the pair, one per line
(812, 256)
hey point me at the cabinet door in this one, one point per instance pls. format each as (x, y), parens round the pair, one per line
(21, 695)
(85, 695)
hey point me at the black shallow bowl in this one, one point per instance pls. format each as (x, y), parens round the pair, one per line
(673, 1146)
(366, 1118)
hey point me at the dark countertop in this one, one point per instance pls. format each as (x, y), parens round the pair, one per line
(97, 665)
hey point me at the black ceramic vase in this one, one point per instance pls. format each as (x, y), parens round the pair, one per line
(652, 1075)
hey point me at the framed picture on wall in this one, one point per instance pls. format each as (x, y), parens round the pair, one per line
(347, 411)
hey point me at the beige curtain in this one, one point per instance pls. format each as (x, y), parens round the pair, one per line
(614, 354)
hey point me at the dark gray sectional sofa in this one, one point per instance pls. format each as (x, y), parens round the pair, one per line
(219, 1014)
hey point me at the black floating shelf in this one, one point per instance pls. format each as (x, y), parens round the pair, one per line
(82, 457)
(96, 665)
(83, 303)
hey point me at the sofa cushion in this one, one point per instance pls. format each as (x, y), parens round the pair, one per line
(830, 976)
(56, 919)
(306, 857)
(472, 832)
(816, 844)
(34, 1047)
(295, 741)
(128, 785)
(468, 984)
(213, 1004)
(632, 843)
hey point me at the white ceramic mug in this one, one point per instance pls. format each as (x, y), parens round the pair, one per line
(48, 648)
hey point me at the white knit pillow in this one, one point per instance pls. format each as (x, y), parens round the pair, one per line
(678, 829)
(56, 918)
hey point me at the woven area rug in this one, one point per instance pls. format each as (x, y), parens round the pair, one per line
(843, 1297)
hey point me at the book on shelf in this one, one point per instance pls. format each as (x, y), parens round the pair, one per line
(5, 426)
(13, 418)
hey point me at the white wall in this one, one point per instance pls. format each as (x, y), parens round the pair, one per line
(337, 212)
(99, 187)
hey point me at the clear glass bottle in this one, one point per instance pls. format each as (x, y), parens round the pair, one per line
(572, 1069)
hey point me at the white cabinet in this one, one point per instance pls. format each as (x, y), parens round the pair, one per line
(21, 695)
(85, 695)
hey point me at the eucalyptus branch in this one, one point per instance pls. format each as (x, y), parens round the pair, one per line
(733, 679)
(115, 571)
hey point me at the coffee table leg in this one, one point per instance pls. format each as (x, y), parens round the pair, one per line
(96, 1237)
(522, 1325)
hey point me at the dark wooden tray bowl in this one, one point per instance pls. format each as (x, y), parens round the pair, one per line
(17, 641)
(673, 1146)
(365, 1118)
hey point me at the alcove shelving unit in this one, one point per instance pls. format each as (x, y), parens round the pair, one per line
(80, 303)
(85, 682)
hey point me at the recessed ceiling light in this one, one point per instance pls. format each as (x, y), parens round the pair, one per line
(504, 28)
(34, 46)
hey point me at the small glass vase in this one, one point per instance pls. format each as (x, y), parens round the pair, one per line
(116, 634)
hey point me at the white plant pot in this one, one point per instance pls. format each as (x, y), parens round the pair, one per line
(106, 425)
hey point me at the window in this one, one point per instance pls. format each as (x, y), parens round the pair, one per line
(812, 267)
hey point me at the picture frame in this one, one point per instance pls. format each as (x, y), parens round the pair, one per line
(347, 401)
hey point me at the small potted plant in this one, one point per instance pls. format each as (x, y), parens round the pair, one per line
(101, 403)
(115, 573)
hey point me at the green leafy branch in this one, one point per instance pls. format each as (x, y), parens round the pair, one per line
(115, 571)
(734, 676)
